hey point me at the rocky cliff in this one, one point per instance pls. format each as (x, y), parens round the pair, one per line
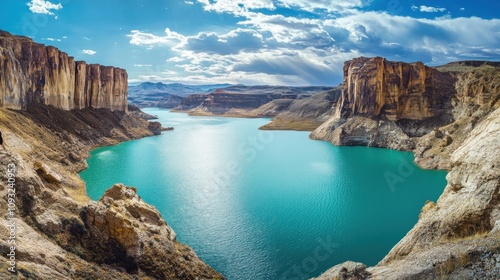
(34, 73)
(380, 96)
(375, 87)
(68, 109)
(449, 117)
(61, 233)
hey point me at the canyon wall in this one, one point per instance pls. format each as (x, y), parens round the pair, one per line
(59, 232)
(394, 90)
(35, 73)
(449, 116)
(386, 104)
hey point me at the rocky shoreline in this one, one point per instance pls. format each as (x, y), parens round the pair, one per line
(50, 120)
(61, 233)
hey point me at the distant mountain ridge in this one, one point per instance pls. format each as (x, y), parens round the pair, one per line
(242, 101)
(162, 95)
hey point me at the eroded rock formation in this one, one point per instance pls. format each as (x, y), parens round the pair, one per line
(60, 233)
(303, 114)
(34, 73)
(450, 118)
(410, 99)
(375, 87)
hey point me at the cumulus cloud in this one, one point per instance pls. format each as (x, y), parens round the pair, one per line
(189, 2)
(428, 9)
(142, 38)
(43, 7)
(277, 49)
(88, 52)
(237, 7)
(233, 42)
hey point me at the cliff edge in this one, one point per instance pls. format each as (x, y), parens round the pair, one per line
(53, 112)
(34, 73)
(449, 117)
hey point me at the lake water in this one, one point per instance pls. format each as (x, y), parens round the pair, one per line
(268, 205)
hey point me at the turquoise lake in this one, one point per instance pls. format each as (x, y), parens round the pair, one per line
(268, 204)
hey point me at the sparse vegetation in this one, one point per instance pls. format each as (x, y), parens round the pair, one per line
(452, 263)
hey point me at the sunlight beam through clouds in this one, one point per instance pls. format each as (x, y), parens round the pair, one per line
(274, 48)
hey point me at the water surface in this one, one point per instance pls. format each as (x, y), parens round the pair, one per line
(268, 205)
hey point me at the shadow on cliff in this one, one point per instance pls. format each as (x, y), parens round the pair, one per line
(87, 124)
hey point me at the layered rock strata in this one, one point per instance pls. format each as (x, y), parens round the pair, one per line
(411, 99)
(305, 114)
(59, 233)
(450, 118)
(34, 73)
(243, 101)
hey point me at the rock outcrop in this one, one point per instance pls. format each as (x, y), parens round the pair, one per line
(450, 118)
(410, 99)
(69, 108)
(345, 271)
(305, 114)
(121, 221)
(61, 234)
(375, 87)
(34, 73)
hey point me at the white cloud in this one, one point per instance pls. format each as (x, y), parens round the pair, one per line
(43, 7)
(427, 9)
(462, 9)
(143, 65)
(169, 72)
(240, 7)
(189, 2)
(89, 52)
(275, 49)
(141, 38)
(88, 39)
(327, 5)
(237, 7)
(54, 39)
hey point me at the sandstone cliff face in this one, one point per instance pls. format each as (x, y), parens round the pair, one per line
(375, 87)
(457, 237)
(413, 98)
(35, 73)
(61, 234)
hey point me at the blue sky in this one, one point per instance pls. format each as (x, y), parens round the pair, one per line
(291, 42)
